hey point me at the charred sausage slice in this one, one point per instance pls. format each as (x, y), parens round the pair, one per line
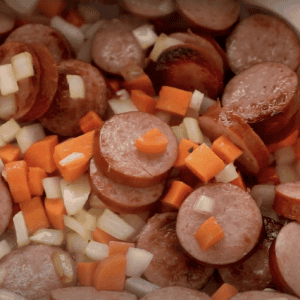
(117, 157)
(234, 210)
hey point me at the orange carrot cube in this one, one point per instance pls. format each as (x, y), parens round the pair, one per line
(225, 292)
(9, 153)
(185, 148)
(90, 121)
(85, 272)
(101, 236)
(35, 180)
(143, 102)
(116, 247)
(55, 210)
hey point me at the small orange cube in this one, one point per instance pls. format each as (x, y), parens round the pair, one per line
(185, 148)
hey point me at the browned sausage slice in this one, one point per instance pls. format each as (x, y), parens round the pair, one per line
(64, 113)
(234, 210)
(170, 265)
(31, 273)
(114, 46)
(48, 83)
(116, 155)
(28, 87)
(216, 15)
(216, 122)
(6, 205)
(150, 9)
(284, 259)
(254, 273)
(122, 198)
(7, 24)
(262, 38)
(262, 295)
(265, 95)
(89, 293)
(176, 293)
(43, 34)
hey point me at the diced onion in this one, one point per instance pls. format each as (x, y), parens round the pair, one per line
(96, 251)
(228, 174)
(286, 173)
(138, 261)
(90, 32)
(95, 202)
(96, 212)
(193, 130)
(63, 267)
(8, 82)
(51, 186)
(73, 224)
(48, 237)
(270, 213)
(135, 221)
(21, 229)
(180, 132)
(264, 194)
(207, 141)
(285, 155)
(29, 135)
(76, 243)
(9, 130)
(139, 287)
(70, 158)
(87, 220)
(123, 94)
(22, 65)
(204, 204)
(121, 106)
(4, 248)
(195, 104)
(7, 106)
(206, 103)
(145, 35)
(76, 86)
(112, 224)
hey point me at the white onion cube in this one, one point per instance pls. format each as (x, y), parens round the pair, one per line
(145, 36)
(193, 130)
(4, 248)
(95, 202)
(96, 251)
(180, 132)
(139, 287)
(76, 243)
(22, 7)
(204, 204)
(87, 220)
(22, 65)
(48, 237)
(121, 106)
(7, 106)
(123, 94)
(9, 130)
(73, 224)
(228, 174)
(8, 82)
(285, 155)
(263, 194)
(135, 221)
(51, 186)
(21, 229)
(76, 86)
(138, 261)
(195, 104)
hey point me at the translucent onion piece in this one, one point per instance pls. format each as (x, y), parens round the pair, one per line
(138, 261)
(139, 287)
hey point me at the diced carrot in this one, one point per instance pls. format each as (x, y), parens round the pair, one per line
(176, 194)
(239, 182)
(51, 8)
(116, 247)
(209, 233)
(34, 214)
(268, 175)
(15, 210)
(40, 154)
(82, 144)
(85, 272)
(90, 121)
(226, 149)
(110, 273)
(75, 18)
(9, 153)
(55, 210)
(152, 142)
(17, 179)
(225, 292)
(288, 141)
(113, 85)
(204, 163)
(185, 148)
(142, 83)
(143, 102)
(102, 237)
(35, 180)
(296, 146)
(174, 101)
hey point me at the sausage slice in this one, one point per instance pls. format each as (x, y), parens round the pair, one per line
(262, 295)
(122, 198)
(6, 205)
(234, 210)
(170, 265)
(262, 38)
(117, 157)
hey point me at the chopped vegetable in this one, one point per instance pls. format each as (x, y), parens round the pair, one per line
(75, 18)
(90, 121)
(21, 229)
(96, 251)
(228, 174)
(9, 153)
(225, 292)
(116, 247)
(85, 272)
(209, 233)
(52, 187)
(286, 173)
(285, 155)
(239, 181)
(22, 65)
(143, 101)
(145, 35)
(152, 142)
(185, 148)
(55, 210)
(193, 130)
(86, 219)
(73, 224)
(204, 163)
(102, 237)
(139, 287)
(9, 130)
(204, 205)
(76, 86)
(8, 81)
(138, 261)
(35, 180)
(48, 237)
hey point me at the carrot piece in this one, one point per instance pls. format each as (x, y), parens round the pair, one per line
(102, 237)
(40, 154)
(176, 194)
(85, 272)
(34, 214)
(185, 148)
(110, 273)
(143, 102)
(288, 141)
(116, 247)
(55, 210)
(209, 233)
(15, 210)
(239, 182)
(174, 101)
(90, 121)
(9, 153)
(113, 85)
(17, 179)
(82, 144)
(226, 149)
(152, 142)
(51, 8)
(225, 292)
(35, 178)
(75, 18)
(204, 163)
(268, 175)
(142, 83)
